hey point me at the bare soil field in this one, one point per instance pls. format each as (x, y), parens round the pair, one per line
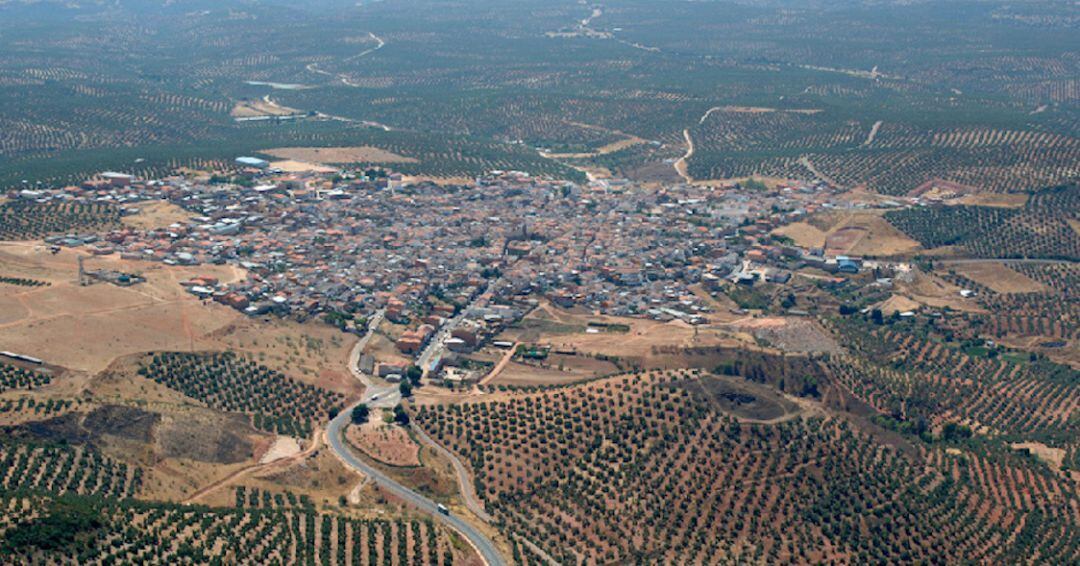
(765, 110)
(293, 166)
(558, 369)
(1001, 200)
(1052, 456)
(999, 277)
(339, 155)
(386, 443)
(156, 214)
(935, 292)
(863, 233)
(898, 303)
(442, 181)
(56, 322)
(791, 334)
(384, 350)
(283, 447)
(803, 234)
(264, 107)
(565, 331)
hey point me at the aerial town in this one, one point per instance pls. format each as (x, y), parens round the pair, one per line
(347, 246)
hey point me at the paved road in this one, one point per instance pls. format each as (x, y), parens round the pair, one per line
(435, 346)
(468, 490)
(388, 396)
(481, 543)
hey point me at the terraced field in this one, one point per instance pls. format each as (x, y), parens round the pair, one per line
(874, 97)
(20, 220)
(1041, 229)
(107, 531)
(602, 472)
(229, 382)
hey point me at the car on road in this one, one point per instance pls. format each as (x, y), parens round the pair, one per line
(442, 509)
(374, 397)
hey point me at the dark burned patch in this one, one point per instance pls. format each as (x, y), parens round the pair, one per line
(221, 439)
(65, 428)
(125, 422)
(88, 428)
(738, 397)
(202, 436)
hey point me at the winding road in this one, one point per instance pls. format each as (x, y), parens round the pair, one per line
(388, 395)
(478, 540)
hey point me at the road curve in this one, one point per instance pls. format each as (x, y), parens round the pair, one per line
(468, 490)
(481, 543)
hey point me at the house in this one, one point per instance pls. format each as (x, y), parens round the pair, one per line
(846, 264)
(383, 369)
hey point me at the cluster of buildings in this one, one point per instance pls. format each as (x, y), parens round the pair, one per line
(342, 246)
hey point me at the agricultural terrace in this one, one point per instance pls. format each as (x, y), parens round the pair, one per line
(913, 379)
(639, 466)
(64, 469)
(14, 377)
(230, 382)
(86, 530)
(1043, 228)
(20, 220)
(1053, 312)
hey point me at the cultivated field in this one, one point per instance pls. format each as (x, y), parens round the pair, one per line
(338, 155)
(655, 464)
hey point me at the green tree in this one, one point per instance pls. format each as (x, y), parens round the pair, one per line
(400, 416)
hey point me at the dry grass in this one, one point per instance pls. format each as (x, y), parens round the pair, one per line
(998, 277)
(804, 235)
(863, 233)
(898, 303)
(156, 214)
(1001, 200)
(566, 331)
(935, 292)
(558, 369)
(85, 328)
(338, 155)
(312, 352)
(386, 443)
